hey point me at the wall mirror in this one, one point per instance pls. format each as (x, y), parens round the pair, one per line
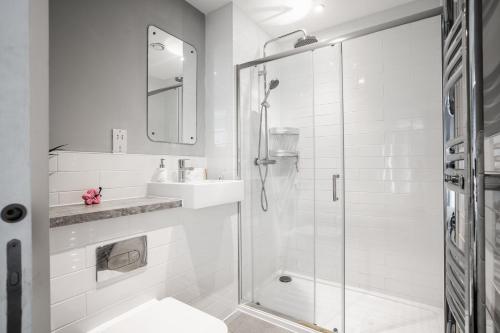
(171, 88)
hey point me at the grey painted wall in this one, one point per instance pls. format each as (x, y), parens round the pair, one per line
(98, 71)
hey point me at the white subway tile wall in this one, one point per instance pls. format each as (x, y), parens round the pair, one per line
(192, 256)
(393, 160)
(67, 311)
(492, 153)
(120, 175)
(220, 118)
(492, 228)
(231, 38)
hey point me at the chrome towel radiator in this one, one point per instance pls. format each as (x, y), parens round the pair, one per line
(463, 171)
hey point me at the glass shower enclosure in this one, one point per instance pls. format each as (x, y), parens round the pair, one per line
(340, 147)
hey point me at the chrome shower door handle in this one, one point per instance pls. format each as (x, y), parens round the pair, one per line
(334, 187)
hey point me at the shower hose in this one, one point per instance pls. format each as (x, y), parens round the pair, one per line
(263, 174)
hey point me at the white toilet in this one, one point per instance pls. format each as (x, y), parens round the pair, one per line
(167, 315)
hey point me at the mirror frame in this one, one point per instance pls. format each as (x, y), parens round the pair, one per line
(147, 88)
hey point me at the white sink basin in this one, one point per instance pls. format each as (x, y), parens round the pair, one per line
(200, 194)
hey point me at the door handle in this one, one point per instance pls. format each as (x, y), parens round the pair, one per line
(14, 287)
(334, 187)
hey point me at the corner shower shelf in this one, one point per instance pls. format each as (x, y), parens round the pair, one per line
(284, 131)
(284, 153)
(284, 142)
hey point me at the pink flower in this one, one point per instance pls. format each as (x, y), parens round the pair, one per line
(92, 196)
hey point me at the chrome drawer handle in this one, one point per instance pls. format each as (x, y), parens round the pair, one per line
(334, 187)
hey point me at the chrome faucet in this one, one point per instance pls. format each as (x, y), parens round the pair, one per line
(181, 178)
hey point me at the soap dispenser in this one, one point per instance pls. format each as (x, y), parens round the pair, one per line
(160, 175)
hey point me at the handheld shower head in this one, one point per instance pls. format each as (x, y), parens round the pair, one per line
(273, 84)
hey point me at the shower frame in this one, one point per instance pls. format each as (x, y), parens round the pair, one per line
(338, 40)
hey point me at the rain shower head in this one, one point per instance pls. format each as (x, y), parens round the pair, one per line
(306, 40)
(302, 41)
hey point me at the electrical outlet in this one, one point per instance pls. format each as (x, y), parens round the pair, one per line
(119, 141)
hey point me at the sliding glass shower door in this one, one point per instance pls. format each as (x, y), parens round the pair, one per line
(292, 229)
(341, 153)
(329, 198)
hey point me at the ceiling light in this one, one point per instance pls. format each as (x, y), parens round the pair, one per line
(319, 8)
(157, 46)
(283, 12)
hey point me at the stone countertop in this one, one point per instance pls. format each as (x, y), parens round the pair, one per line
(72, 214)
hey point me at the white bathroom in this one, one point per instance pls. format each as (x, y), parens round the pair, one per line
(249, 166)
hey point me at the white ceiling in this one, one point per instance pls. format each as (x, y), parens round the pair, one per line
(206, 6)
(280, 16)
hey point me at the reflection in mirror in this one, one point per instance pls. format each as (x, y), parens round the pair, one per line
(171, 88)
